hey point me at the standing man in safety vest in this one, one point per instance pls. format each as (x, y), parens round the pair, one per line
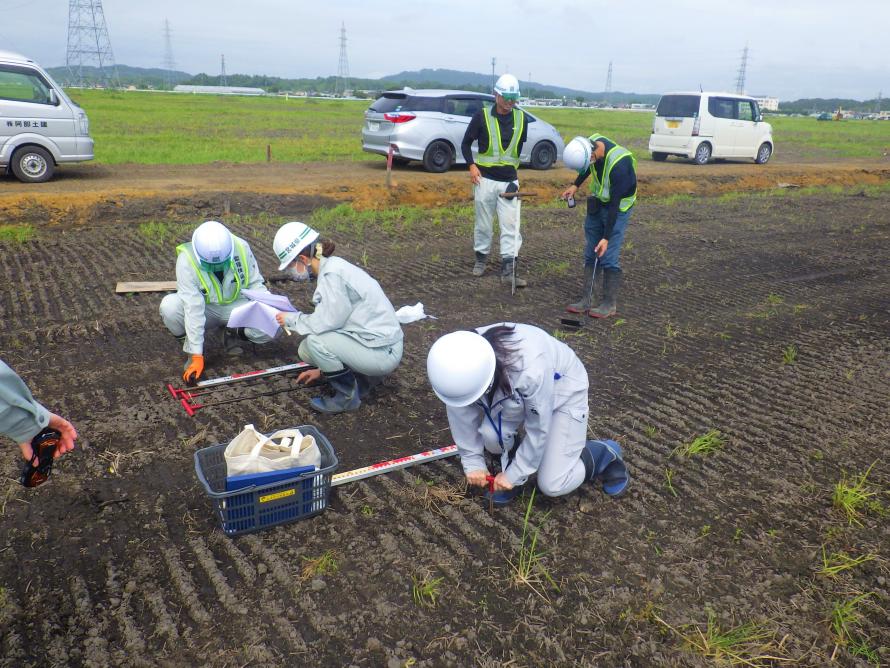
(613, 191)
(211, 271)
(500, 131)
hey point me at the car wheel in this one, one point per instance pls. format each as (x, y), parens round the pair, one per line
(32, 164)
(543, 155)
(763, 154)
(659, 157)
(702, 154)
(438, 157)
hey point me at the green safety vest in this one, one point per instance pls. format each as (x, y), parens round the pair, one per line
(600, 189)
(496, 155)
(239, 264)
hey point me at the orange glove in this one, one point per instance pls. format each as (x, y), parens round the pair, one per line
(194, 367)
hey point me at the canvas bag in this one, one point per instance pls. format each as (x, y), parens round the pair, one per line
(252, 452)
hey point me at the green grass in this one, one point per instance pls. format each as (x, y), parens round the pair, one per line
(324, 565)
(425, 590)
(16, 234)
(528, 568)
(789, 354)
(701, 445)
(345, 219)
(173, 128)
(844, 616)
(669, 480)
(855, 496)
(837, 562)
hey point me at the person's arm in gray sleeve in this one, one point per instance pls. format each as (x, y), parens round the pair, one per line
(22, 418)
(189, 289)
(465, 422)
(537, 394)
(332, 310)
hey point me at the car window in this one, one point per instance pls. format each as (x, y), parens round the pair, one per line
(417, 103)
(747, 111)
(460, 106)
(388, 102)
(678, 106)
(23, 85)
(722, 107)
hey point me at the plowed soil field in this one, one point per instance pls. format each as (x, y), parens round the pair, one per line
(761, 314)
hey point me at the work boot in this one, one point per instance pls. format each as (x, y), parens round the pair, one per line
(587, 297)
(367, 383)
(345, 397)
(603, 460)
(232, 341)
(481, 262)
(611, 285)
(507, 267)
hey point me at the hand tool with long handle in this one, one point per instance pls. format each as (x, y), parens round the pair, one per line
(237, 377)
(191, 407)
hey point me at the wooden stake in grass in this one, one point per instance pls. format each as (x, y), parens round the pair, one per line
(702, 445)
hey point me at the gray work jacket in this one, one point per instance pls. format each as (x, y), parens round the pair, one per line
(349, 301)
(547, 377)
(21, 418)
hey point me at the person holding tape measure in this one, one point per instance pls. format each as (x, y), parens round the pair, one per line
(501, 378)
(353, 336)
(500, 131)
(613, 192)
(31, 426)
(211, 271)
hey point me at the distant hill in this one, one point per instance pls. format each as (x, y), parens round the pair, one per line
(141, 77)
(430, 78)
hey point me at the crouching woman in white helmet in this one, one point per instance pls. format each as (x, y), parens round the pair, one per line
(501, 377)
(211, 271)
(353, 336)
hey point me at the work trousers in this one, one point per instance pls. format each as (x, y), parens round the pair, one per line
(216, 316)
(594, 231)
(332, 351)
(561, 470)
(488, 202)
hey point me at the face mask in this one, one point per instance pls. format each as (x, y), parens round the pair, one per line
(298, 272)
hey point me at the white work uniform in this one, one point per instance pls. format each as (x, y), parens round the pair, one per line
(488, 200)
(549, 397)
(21, 417)
(354, 324)
(189, 311)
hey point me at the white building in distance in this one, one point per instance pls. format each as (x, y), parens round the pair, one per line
(767, 103)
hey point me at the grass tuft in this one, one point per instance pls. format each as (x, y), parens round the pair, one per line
(425, 590)
(844, 616)
(855, 496)
(16, 234)
(702, 445)
(789, 355)
(324, 565)
(528, 569)
(838, 562)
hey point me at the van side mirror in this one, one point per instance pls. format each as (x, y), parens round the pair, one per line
(758, 118)
(53, 98)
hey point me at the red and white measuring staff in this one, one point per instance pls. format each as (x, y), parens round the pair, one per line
(236, 377)
(392, 465)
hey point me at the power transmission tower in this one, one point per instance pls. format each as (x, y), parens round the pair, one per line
(343, 65)
(89, 44)
(743, 67)
(169, 64)
(222, 71)
(493, 63)
(879, 102)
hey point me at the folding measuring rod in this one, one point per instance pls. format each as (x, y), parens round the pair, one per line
(392, 465)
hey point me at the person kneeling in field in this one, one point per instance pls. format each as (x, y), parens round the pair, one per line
(211, 271)
(353, 336)
(502, 377)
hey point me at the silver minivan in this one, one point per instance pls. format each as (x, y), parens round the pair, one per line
(429, 125)
(705, 125)
(40, 127)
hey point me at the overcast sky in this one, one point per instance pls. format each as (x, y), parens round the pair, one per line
(797, 48)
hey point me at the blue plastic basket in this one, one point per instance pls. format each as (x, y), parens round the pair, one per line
(263, 506)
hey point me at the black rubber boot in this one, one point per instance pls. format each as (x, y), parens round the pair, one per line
(507, 267)
(611, 285)
(346, 396)
(233, 339)
(481, 262)
(588, 299)
(367, 383)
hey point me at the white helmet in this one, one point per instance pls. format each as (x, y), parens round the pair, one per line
(460, 367)
(290, 239)
(213, 245)
(577, 154)
(507, 86)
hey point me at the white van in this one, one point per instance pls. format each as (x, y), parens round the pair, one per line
(702, 126)
(40, 127)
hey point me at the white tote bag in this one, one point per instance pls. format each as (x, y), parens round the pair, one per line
(252, 452)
